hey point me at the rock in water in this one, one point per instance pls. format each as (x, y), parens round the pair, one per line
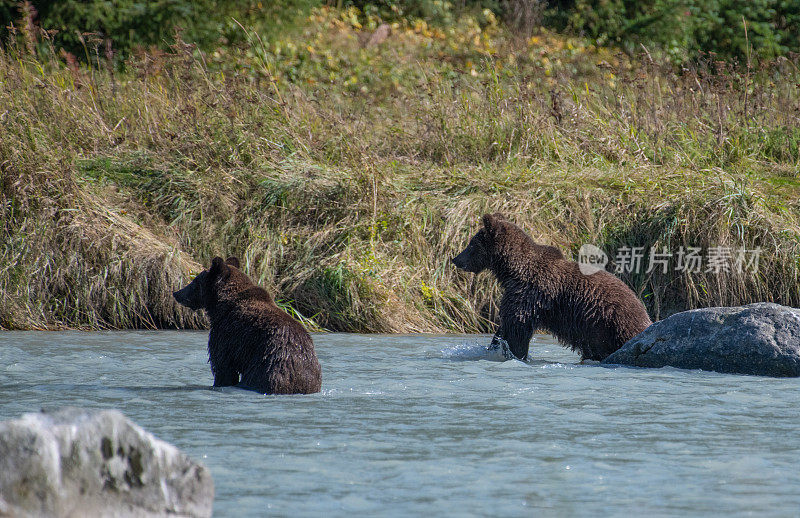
(761, 339)
(77, 462)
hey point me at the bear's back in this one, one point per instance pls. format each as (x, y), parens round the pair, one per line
(272, 351)
(598, 312)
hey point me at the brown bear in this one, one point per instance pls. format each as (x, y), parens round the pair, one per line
(253, 343)
(593, 314)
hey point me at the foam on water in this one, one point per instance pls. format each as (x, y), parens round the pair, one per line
(474, 351)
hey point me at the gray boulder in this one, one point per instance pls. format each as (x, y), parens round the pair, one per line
(75, 462)
(761, 339)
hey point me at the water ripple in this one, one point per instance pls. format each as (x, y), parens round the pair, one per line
(423, 424)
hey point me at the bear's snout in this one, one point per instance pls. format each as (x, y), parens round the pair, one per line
(181, 298)
(458, 262)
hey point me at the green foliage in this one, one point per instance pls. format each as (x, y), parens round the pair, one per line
(82, 27)
(782, 144)
(719, 26)
(684, 28)
(680, 28)
(624, 21)
(438, 12)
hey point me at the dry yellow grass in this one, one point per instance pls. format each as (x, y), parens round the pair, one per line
(347, 203)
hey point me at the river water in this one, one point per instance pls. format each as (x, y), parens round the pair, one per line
(422, 424)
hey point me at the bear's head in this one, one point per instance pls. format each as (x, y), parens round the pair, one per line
(502, 245)
(199, 293)
(481, 249)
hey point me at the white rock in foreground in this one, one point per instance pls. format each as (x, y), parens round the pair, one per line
(82, 463)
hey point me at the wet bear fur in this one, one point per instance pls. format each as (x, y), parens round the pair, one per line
(593, 314)
(253, 343)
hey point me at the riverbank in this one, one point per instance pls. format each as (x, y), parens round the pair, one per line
(346, 173)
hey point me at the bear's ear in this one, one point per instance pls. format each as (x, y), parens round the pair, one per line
(493, 223)
(217, 266)
(232, 261)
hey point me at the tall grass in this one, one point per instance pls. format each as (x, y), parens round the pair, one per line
(346, 198)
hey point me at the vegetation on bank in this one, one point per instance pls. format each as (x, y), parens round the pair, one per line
(679, 30)
(345, 173)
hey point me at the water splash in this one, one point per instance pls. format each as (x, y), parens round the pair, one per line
(472, 351)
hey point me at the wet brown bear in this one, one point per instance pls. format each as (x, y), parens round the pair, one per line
(593, 314)
(253, 343)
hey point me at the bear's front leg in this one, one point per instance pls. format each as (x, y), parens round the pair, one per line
(225, 377)
(225, 374)
(517, 333)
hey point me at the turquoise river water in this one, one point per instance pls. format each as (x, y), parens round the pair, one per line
(421, 424)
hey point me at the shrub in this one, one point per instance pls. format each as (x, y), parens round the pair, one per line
(684, 28)
(128, 24)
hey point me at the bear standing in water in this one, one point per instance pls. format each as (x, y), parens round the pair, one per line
(253, 343)
(593, 314)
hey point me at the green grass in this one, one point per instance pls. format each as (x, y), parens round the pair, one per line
(346, 176)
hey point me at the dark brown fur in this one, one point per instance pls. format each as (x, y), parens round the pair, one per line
(253, 343)
(593, 314)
